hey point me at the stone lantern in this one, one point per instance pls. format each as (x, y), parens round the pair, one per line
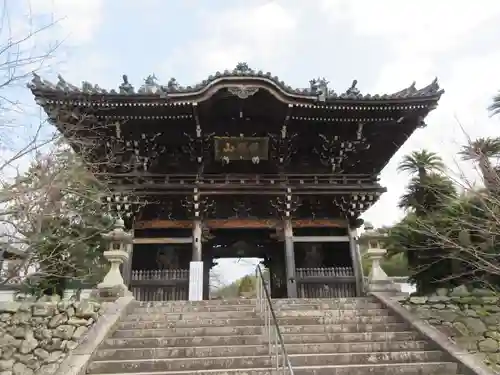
(378, 281)
(113, 285)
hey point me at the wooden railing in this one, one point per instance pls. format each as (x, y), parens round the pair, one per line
(244, 179)
(330, 282)
(160, 285)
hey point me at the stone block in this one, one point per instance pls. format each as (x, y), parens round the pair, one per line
(459, 291)
(9, 307)
(488, 345)
(36, 334)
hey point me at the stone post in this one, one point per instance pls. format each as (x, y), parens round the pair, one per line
(113, 285)
(291, 284)
(378, 281)
(196, 264)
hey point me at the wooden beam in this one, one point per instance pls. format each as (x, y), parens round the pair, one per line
(320, 238)
(240, 223)
(319, 223)
(163, 224)
(212, 190)
(162, 240)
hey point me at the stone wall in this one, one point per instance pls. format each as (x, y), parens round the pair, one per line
(471, 318)
(35, 337)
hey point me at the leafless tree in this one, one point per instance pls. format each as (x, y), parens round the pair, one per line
(21, 53)
(23, 49)
(466, 232)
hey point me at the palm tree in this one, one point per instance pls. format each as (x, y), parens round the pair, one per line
(426, 193)
(480, 151)
(494, 108)
(421, 163)
(435, 189)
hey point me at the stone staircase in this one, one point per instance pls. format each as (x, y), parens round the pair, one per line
(335, 337)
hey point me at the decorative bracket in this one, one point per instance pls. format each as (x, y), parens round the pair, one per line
(123, 206)
(199, 147)
(283, 144)
(198, 206)
(354, 205)
(285, 206)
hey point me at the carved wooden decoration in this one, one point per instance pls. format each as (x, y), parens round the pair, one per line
(126, 154)
(352, 206)
(335, 152)
(198, 206)
(284, 206)
(283, 146)
(243, 91)
(123, 206)
(242, 208)
(199, 147)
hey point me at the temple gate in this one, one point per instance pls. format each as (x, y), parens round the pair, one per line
(238, 165)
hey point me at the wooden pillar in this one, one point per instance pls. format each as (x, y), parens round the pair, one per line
(291, 283)
(197, 255)
(356, 261)
(196, 264)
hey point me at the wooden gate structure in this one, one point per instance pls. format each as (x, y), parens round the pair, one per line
(240, 164)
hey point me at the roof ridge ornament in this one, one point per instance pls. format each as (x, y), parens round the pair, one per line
(172, 85)
(126, 87)
(432, 88)
(353, 91)
(319, 87)
(243, 68)
(151, 86)
(63, 85)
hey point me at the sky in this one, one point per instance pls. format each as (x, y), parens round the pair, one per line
(384, 44)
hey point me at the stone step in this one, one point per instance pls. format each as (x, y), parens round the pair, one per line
(213, 302)
(249, 301)
(168, 342)
(356, 301)
(187, 308)
(186, 315)
(256, 330)
(332, 305)
(252, 314)
(256, 350)
(315, 300)
(213, 363)
(428, 368)
(207, 322)
(250, 305)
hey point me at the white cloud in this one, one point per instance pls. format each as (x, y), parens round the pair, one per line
(421, 40)
(256, 31)
(423, 26)
(421, 50)
(77, 20)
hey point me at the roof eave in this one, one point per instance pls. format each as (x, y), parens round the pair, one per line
(80, 99)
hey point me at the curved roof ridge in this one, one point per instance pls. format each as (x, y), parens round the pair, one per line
(241, 75)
